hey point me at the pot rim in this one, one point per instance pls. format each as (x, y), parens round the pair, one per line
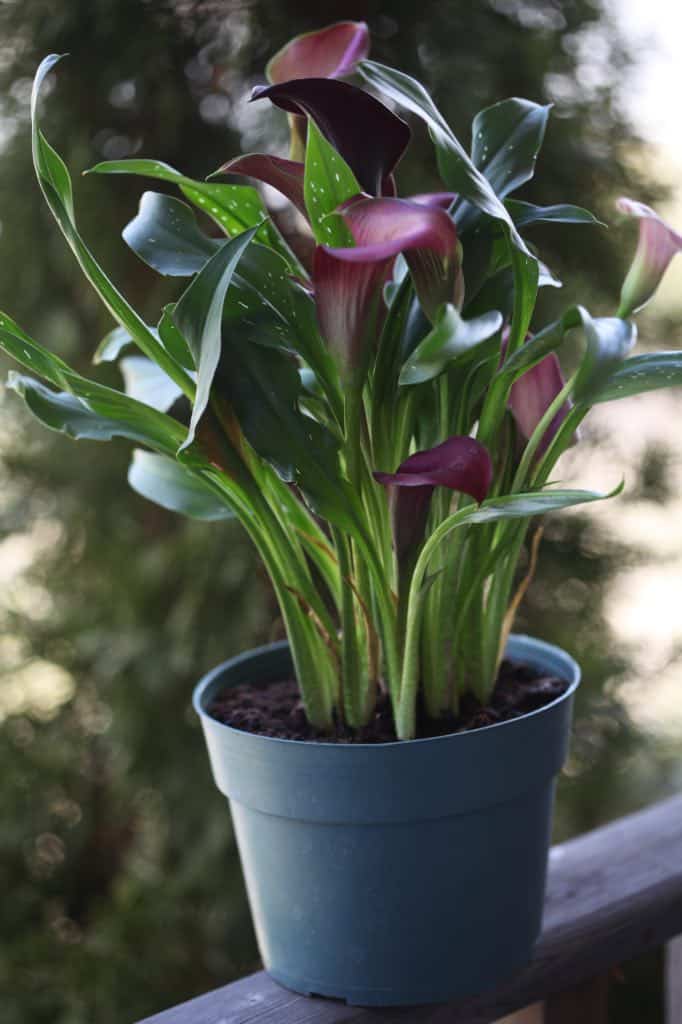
(553, 651)
(542, 647)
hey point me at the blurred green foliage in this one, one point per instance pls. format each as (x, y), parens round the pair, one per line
(122, 893)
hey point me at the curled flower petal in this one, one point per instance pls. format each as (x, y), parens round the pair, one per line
(460, 464)
(284, 175)
(423, 231)
(657, 245)
(444, 200)
(532, 394)
(330, 52)
(369, 137)
(349, 281)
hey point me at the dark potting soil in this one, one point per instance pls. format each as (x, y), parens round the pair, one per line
(276, 710)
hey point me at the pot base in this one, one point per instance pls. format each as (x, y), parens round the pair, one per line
(391, 997)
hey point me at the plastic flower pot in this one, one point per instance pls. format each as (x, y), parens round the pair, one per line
(398, 873)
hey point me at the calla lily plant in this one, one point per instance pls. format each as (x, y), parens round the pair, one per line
(383, 418)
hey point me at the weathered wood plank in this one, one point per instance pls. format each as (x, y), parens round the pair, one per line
(612, 894)
(673, 982)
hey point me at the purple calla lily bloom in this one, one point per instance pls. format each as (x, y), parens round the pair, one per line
(350, 306)
(284, 175)
(349, 282)
(420, 229)
(369, 137)
(657, 245)
(330, 52)
(532, 394)
(460, 464)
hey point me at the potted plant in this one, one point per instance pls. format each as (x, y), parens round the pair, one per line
(376, 412)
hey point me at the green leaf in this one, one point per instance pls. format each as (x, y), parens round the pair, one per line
(265, 306)
(450, 339)
(609, 339)
(563, 213)
(506, 141)
(55, 183)
(159, 431)
(264, 388)
(167, 483)
(522, 506)
(173, 340)
(646, 372)
(101, 416)
(146, 383)
(262, 302)
(198, 317)
(510, 506)
(328, 182)
(456, 168)
(536, 348)
(165, 235)
(111, 345)
(546, 279)
(526, 282)
(234, 208)
(17, 344)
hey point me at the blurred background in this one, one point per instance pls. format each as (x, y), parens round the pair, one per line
(121, 888)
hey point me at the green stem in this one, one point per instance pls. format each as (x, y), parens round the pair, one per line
(352, 670)
(312, 661)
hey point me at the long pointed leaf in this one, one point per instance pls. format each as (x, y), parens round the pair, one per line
(55, 183)
(647, 372)
(457, 169)
(198, 316)
(234, 208)
(162, 432)
(562, 213)
(104, 414)
(328, 182)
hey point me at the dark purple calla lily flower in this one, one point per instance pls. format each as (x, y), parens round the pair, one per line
(331, 52)
(421, 230)
(369, 137)
(657, 245)
(284, 175)
(460, 464)
(349, 282)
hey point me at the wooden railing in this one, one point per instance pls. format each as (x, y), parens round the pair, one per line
(612, 894)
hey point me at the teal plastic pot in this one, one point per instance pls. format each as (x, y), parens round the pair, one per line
(399, 873)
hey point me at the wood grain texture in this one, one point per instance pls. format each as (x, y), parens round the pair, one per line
(612, 894)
